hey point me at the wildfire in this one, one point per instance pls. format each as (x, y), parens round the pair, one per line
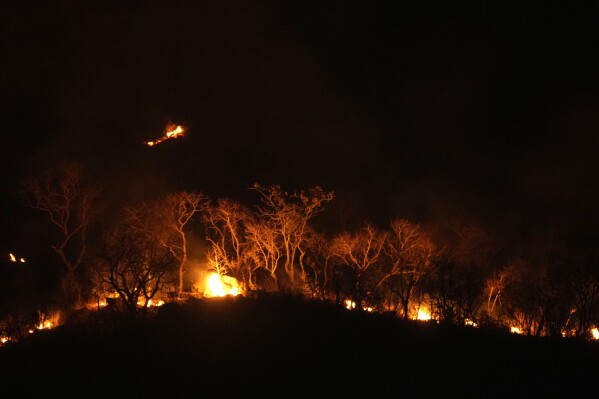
(349, 304)
(173, 131)
(150, 303)
(423, 314)
(217, 286)
(45, 325)
(14, 259)
(515, 330)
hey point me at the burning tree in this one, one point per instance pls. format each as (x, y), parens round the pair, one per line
(133, 262)
(69, 204)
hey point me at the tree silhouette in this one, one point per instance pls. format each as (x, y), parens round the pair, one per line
(70, 205)
(134, 262)
(287, 216)
(226, 223)
(360, 255)
(412, 256)
(177, 211)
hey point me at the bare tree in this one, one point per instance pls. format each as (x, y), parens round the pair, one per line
(411, 253)
(360, 255)
(321, 274)
(521, 299)
(457, 286)
(69, 204)
(264, 252)
(288, 216)
(226, 223)
(177, 211)
(495, 287)
(133, 261)
(582, 287)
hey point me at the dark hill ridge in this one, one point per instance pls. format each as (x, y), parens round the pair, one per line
(285, 346)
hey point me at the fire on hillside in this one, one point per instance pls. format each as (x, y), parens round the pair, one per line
(173, 131)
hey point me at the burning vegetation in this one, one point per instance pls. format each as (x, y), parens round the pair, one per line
(142, 261)
(172, 131)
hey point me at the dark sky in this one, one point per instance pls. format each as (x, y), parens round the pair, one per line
(485, 114)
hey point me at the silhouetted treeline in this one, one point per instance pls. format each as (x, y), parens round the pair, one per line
(161, 248)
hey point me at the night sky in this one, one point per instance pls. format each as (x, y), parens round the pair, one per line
(486, 115)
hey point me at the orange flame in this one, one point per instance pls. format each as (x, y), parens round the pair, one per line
(217, 286)
(14, 259)
(173, 131)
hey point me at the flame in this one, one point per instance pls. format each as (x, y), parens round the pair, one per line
(45, 325)
(172, 132)
(151, 302)
(595, 333)
(423, 314)
(470, 322)
(515, 330)
(14, 259)
(217, 286)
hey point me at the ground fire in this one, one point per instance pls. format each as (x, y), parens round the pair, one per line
(173, 131)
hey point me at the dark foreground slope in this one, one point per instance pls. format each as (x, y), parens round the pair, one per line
(287, 347)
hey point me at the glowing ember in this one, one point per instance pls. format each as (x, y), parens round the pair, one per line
(13, 258)
(595, 333)
(469, 322)
(172, 132)
(217, 286)
(151, 302)
(350, 304)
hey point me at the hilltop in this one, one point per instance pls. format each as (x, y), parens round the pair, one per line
(289, 346)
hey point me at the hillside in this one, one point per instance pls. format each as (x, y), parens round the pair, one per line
(283, 346)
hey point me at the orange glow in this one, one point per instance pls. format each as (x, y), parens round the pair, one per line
(151, 302)
(173, 131)
(218, 286)
(423, 314)
(13, 258)
(45, 325)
